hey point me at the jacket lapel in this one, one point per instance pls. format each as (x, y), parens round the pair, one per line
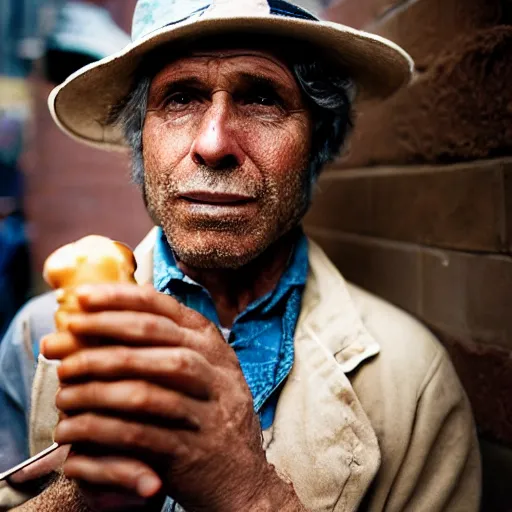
(321, 439)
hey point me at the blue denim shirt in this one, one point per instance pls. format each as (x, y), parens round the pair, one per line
(262, 335)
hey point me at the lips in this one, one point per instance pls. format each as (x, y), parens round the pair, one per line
(216, 198)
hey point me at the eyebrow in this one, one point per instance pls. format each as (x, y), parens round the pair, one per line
(248, 80)
(259, 80)
(181, 83)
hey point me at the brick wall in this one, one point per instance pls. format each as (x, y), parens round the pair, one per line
(73, 190)
(419, 210)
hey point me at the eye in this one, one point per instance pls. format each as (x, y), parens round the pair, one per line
(263, 100)
(179, 100)
(261, 97)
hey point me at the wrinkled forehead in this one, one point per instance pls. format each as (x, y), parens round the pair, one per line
(273, 53)
(228, 60)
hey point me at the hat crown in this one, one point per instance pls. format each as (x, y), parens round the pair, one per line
(151, 15)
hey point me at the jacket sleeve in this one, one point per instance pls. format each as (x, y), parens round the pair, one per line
(16, 374)
(18, 351)
(441, 469)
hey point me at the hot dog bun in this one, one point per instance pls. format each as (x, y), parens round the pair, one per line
(90, 260)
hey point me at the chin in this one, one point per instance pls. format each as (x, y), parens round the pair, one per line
(214, 258)
(216, 250)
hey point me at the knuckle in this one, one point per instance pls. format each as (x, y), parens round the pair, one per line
(183, 360)
(134, 434)
(203, 323)
(147, 295)
(93, 393)
(112, 293)
(124, 358)
(82, 362)
(149, 326)
(111, 473)
(86, 423)
(140, 395)
(174, 402)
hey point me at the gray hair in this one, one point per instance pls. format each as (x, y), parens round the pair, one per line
(329, 95)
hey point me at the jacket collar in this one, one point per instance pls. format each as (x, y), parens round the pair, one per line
(328, 313)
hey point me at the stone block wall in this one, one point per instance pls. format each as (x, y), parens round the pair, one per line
(419, 209)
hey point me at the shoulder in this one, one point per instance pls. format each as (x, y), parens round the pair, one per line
(411, 361)
(411, 368)
(32, 322)
(38, 313)
(19, 348)
(418, 410)
(407, 347)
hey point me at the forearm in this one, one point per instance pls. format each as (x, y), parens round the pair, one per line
(62, 494)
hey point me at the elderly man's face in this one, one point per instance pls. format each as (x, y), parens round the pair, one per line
(226, 148)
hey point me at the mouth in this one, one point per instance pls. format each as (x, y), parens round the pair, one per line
(216, 198)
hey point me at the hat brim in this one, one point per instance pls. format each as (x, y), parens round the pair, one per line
(81, 106)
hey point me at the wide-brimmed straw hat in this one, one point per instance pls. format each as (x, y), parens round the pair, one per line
(82, 105)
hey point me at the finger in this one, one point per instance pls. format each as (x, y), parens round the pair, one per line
(129, 474)
(59, 345)
(176, 368)
(131, 397)
(45, 466)
(145, 299)
(123, 434)
(133, 328)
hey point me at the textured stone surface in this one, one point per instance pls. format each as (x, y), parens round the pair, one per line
(467, 296)
(486, 373)
(387, 269)
(497, 468)
(428, 28)
(507, 193)
(360, 13)
(457, 206)
(458, 110)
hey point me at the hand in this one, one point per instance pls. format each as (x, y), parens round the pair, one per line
(167, 392)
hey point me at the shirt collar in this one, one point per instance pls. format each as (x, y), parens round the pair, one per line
(166, 270)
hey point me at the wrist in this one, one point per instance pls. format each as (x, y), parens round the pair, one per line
(274, 494)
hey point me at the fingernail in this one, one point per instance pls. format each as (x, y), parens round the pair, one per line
(63, 395)
(61, 431)
(148, 485)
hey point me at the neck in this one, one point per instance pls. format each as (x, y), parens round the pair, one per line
(233, 290)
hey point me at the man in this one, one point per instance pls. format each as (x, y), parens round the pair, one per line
(245, 374)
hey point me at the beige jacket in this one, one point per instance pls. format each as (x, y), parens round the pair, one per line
(372, 416)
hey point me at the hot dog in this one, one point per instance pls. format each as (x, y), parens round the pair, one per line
(90, 260)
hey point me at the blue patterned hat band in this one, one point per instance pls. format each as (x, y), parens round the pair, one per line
(152, 15)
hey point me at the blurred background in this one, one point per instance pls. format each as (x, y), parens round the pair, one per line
(419, 209)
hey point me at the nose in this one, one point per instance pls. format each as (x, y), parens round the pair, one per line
(216, 144)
